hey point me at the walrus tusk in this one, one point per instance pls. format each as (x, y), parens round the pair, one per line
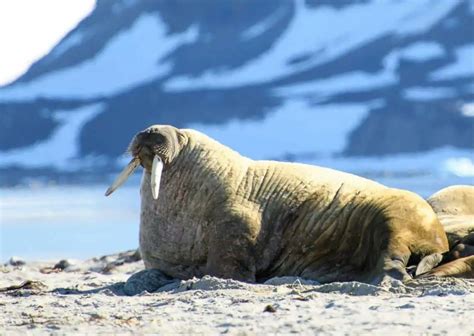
(156, 170)
(126, 172)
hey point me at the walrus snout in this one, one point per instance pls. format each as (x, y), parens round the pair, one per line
(146, 149)
(144, 146)
(151, 148)
(151, 142)
(146, 155)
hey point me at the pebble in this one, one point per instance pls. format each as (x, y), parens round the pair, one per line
(16, 261)
(63, 264)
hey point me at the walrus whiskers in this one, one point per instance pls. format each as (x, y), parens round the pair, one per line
(156, 170)
(126, 172)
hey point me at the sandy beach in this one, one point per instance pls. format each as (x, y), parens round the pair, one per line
(86, 297)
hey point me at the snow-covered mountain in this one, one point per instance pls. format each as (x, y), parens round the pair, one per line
(315, 81)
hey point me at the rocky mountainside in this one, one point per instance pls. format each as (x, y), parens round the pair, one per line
(279, 79)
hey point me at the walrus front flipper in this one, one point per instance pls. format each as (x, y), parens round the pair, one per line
(468, 240)
(393, 268)
(460, 268)
(448, 260)
(428, 263)
(148, 280)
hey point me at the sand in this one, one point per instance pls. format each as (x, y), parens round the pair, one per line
(86, 297)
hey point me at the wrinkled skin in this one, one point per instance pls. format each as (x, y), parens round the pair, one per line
(454, 207)
(225, 215)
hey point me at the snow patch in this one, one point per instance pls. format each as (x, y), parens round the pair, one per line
(263, 26)
(294, 128)
(463, 67)
(128, 59)
(422, 51)
(332, 33)
(348, 82)
(467, 110)
(417, 52)
(60, 148)
(428, 93)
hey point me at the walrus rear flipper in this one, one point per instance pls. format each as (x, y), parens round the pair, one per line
(448, 261)
(428, 263)
(460, 268)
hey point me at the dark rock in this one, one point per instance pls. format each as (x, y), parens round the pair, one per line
(16, 261)
(269, 309)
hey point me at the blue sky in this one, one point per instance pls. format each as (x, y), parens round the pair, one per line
(30, 28)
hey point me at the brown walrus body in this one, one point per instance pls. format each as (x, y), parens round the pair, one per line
(222, 214)
(454, 207)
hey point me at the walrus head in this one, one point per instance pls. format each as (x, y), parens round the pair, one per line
(152, 148)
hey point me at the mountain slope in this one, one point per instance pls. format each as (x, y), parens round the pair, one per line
(273, 79)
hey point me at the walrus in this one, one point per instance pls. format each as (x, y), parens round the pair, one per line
(207, 210)
(454, 207)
